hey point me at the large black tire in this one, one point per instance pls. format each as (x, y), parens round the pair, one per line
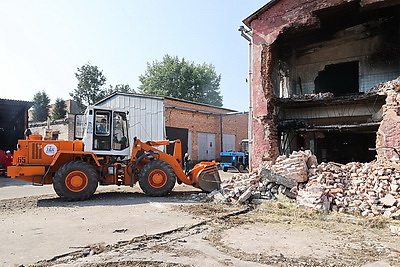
(75, 180)
(157, 178)
(240, 168)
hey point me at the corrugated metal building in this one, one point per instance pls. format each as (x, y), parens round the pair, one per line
(146, 114)
(203, 129)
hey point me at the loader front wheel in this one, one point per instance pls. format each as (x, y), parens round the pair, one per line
(157, 178)
(75, 180)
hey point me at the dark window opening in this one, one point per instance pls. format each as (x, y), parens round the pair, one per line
(345, 147)
(339, 79)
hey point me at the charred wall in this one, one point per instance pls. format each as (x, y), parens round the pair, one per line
(370, 43)
(301, 48)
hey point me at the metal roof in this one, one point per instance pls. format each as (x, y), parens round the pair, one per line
(11, 110)
(161, 98)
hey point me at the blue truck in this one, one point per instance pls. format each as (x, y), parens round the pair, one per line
(236, 160)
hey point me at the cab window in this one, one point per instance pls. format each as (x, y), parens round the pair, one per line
(120, 131)
(102, 130)
(102, 123)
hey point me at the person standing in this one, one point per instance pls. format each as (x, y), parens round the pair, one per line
(186, 160)
(9, 159)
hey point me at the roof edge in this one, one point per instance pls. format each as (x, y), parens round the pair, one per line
(247, 21)
(161, 98)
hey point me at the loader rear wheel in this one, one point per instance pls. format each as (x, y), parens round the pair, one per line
(75, 180)
(157, 178)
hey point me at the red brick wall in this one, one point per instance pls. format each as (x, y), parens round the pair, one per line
(267, 25)
(237, 125)
(197, 122)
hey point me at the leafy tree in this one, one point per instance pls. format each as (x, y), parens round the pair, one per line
(41, 106)
(89, 89)
(182, 79)
(59, 111)
(122, 88)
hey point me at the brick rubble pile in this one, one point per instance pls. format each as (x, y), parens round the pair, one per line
(369, 189)
(245, 188)
(295, 166)
(283, 178)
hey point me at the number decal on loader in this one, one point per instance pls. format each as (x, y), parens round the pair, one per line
(21, 160)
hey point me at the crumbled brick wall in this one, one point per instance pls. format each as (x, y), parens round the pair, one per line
(388, 134)
(264, 133)
(64, 127)
(272, 20)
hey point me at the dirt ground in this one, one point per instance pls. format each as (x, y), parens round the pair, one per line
(120, 226)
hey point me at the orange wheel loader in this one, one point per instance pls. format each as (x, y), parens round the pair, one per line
(103, 154)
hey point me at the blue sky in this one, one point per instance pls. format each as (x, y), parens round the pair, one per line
(43, 42)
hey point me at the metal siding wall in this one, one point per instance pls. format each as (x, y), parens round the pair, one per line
(146, 115)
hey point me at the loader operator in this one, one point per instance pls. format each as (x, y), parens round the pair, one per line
(101, 127)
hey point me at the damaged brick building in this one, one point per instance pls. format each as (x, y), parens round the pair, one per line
(315, 79)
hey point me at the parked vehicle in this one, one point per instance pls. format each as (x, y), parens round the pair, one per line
(103, 154)
(236, 160)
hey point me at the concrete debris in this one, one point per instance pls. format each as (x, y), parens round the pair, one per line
(318, 96)
(277, 178)
(383, 87)
(369, 189)
(254, 188)
(394, 229)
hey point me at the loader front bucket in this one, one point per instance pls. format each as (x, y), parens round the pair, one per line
(205, 176)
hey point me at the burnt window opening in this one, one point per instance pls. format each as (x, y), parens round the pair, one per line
(332, 146)
(345, 147)
(340, 79)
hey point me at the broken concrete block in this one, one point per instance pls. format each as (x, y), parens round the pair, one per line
(277, 178)
(245, 196)
(389, 200)
(218, 197)
(395, 229)
(287, 192)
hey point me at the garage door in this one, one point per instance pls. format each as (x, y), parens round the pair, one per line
(228, 141)
(206, 146)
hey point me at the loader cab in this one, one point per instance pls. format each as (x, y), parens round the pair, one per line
(103, 131)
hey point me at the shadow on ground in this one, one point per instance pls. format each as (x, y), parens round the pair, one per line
(121, 199)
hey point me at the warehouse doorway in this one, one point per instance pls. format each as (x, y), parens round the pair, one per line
(174, 133)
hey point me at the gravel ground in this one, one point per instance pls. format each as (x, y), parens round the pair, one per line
(123, 227)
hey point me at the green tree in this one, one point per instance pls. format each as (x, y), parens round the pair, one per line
(89, 89)
(41, 106)
(121, 88)
(59, 111)
(182, 79)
